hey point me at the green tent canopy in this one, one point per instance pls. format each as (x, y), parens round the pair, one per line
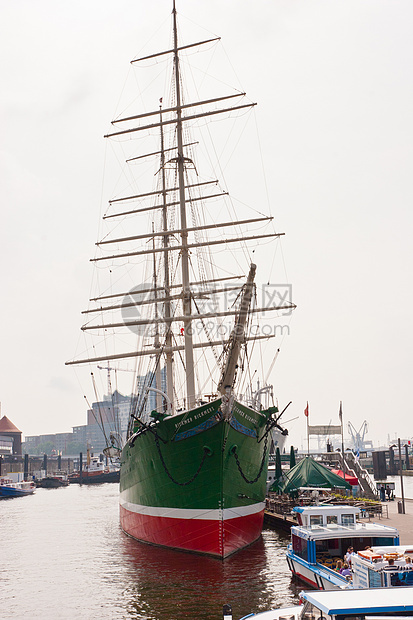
(309, 473)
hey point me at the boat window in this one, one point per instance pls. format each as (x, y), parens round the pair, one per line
(310, 612)
(316, 520)
(321, 545)
(382, 542)
(300, 547)
(347, 519)
(374, 579)
(331, 519)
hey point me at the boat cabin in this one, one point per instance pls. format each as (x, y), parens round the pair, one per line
(325, 533)
(311, 516)
(383, 566)
(346, 605)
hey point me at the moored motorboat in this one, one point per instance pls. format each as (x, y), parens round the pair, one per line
(348, 605)
(323, 536)
(53, 481)
(8, 488)
(383, 566)
(95, 472)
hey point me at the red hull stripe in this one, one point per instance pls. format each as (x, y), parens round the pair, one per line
(219, 538)
(306, 580)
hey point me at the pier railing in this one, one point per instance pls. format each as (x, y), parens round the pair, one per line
(365, 480)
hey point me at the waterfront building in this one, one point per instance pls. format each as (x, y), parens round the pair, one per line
(111, 414)
(6, 445)
(11, 434)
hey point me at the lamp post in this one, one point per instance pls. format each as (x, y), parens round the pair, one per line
(401, 475)
(340, 415)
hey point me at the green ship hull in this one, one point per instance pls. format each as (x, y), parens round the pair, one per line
(197, 481)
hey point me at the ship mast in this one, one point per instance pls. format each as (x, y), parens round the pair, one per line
(167, 284)
(186, 293)
(176, 239)
(237, 337)
(157, 343)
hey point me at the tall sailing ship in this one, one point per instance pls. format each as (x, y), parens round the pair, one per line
(193, 469)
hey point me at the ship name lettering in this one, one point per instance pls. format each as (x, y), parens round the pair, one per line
(187, 421)
(244, 415)
(204, 412)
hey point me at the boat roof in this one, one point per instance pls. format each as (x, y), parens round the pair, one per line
(381, 549)
(333, 530)
(337, 602)
(330, 509)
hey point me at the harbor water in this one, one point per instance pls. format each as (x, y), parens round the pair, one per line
(64, 556)
(407, 485)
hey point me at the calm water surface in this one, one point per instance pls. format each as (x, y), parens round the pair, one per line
(407, 485)
(64, 556)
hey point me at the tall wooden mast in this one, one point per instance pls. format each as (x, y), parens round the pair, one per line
(175, 239)
(186, 293)
(237, 337)
(167, 283)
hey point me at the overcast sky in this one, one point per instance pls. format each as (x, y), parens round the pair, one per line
(333, 82)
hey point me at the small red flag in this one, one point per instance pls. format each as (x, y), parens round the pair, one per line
(306, 410)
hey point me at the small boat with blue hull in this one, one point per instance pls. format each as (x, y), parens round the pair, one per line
(8, 488)
(323, 536)
(348, 605)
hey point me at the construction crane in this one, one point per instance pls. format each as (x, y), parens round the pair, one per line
(108, 368)
(358, 437)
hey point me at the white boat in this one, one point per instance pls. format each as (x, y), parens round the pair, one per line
(346, 605)
(371, 568)
(8, 488)
(323, 535)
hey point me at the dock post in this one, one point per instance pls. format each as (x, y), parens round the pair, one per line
(80, 468)
(227, 612)
(392, 465)
(45, 463)
(26, 467)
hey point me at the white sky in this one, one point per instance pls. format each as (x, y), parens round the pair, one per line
(334, 86)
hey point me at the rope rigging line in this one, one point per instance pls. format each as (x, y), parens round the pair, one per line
(101, 425)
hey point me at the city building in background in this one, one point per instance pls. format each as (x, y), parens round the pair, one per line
(110, 415)
(10, 437)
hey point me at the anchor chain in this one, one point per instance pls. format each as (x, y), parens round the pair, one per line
(207, 452)
(234, 452)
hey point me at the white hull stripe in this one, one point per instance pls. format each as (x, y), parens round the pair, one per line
(194, 513)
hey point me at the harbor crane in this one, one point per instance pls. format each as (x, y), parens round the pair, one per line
(358, 437)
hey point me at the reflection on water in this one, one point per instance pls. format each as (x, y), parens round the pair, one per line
(167, 584)
(64, 556)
